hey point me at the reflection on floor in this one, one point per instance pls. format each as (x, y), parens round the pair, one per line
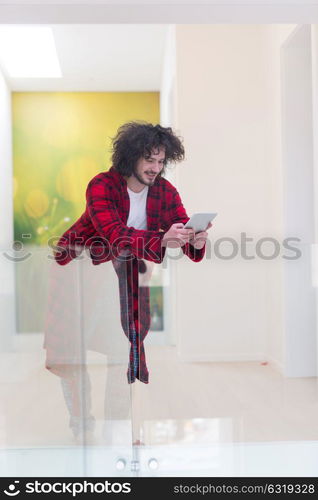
(280, 459)
(222, 413)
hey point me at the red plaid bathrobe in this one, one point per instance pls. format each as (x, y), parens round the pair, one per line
(102, 231)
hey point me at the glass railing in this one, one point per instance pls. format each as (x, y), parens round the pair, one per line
(129, 368)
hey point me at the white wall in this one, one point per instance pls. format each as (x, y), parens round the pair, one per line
(276, 35)
(6, 222)
(6, 217)
(229, 113)
(168, 79)
(314, 47)
(298, 208)
(167, 119)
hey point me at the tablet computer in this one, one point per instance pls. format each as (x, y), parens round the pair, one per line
(200, 221)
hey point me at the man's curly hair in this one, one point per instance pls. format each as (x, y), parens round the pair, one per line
(135, 140)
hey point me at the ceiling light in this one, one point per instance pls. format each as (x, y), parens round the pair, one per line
(29, 52)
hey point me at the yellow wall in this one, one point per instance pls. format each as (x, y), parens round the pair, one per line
(60, 141)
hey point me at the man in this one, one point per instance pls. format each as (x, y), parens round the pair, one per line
(133, 190)
(132, 215)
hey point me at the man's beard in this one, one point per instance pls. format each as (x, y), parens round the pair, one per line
(141, 180)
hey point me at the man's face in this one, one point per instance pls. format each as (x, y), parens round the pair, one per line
(147, 169)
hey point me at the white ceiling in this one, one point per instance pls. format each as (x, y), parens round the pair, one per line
(104, 57)
(158, 11)
(156, 2)
(96, 55)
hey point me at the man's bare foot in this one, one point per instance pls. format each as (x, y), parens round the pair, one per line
(138, 443)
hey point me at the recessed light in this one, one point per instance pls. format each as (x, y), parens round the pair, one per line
(29, 52)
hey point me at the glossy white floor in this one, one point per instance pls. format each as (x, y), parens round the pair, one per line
(201, 419)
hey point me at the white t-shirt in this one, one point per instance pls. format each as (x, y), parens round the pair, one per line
(137, 217)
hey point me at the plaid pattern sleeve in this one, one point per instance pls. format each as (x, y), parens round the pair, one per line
(175, 212)
(102, 210)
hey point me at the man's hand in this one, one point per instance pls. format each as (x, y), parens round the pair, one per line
(198, 240)
(177, 236)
